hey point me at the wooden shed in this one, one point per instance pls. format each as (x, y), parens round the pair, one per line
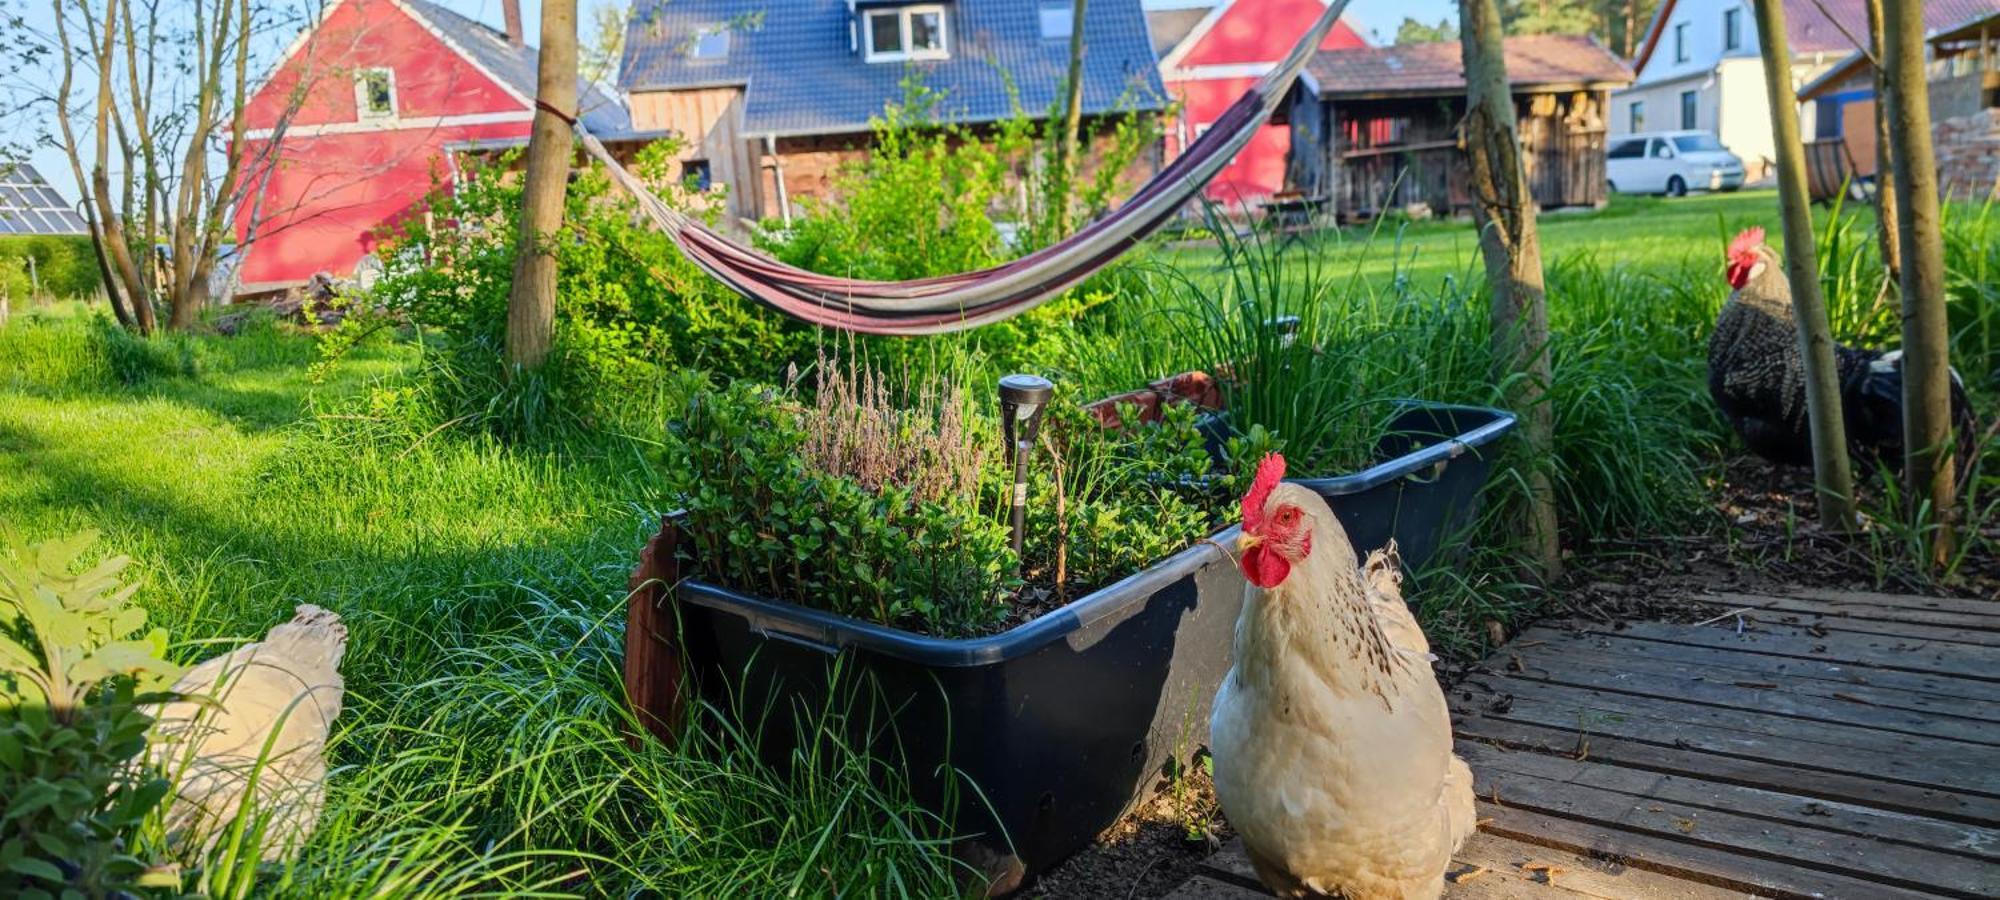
(1377, 128)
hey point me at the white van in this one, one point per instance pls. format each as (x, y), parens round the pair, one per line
(1671, 163)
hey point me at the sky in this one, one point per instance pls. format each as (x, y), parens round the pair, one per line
(1377, 19)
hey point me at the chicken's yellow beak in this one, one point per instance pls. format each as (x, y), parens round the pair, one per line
(1246, 541)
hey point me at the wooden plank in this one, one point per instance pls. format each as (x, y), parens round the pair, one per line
(1604, 703)
(1501, 860)
(1202, 887)
(1663, 756)
(1894, 690)
(1925, 834)
(1971, 605)
(1821, 851)
(1782, 612)
(1490, 867)
(1967, 627)
(1855, 706)
(1699, 862)
(1778, 639)
(1946, 765)
(1831, 674)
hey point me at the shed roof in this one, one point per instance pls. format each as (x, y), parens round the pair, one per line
(1822, 26)
(603, 114)
(1171, 26)
(802, 74)
(1856, 63)
(1549, 61)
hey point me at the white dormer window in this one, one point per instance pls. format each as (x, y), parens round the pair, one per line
(909, 32)
(1681, 42)
(375, 94)
(1058, 18)
(711, 45)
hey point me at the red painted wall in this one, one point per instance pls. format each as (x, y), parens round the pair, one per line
(1249, 32)
(335, 179)
(1264, 31)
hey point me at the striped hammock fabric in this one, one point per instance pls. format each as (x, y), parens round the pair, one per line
(970, 299)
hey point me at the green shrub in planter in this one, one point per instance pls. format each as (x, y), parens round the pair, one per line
(763, 519)
(890, 506)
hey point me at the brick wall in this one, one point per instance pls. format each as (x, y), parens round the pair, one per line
(1968, 155)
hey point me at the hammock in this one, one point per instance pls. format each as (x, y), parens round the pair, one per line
(968, 300)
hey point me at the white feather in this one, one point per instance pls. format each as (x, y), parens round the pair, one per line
(250, 735)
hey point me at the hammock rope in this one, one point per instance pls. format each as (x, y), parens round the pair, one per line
(968, 300)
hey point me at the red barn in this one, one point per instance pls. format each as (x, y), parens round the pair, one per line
(1210, 53)
(363, 113)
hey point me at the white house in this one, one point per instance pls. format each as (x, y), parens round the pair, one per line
(1699, 67)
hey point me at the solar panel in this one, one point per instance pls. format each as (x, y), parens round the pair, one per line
(28, 205)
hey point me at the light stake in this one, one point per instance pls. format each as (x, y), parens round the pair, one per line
(1022, 399)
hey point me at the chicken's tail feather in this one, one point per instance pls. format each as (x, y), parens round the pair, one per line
(1461, 815)
(314, 636)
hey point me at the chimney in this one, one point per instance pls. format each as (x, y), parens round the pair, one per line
(511, 9)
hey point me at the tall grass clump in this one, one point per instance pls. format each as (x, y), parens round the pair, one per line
(95, 354)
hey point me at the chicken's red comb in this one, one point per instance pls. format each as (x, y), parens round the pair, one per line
(1746, 241)
(1269, 473)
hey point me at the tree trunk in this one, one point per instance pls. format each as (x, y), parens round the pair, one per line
(1068, 154)
(531, 308)
(1928, 466)
(1885, 158)
(116, 248)
(1831, 468)
(1505, 213)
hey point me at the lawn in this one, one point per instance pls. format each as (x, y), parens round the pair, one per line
(483, 589)
(483, 750)
(1654, 234)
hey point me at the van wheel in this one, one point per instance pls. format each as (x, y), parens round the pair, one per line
(1676, 187)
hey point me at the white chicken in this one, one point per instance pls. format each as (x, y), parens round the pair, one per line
(1330, 736)
(254, 723)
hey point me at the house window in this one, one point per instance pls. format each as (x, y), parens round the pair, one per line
(375, 93)
(912, 32)
(1688, 109)
(1681, 42)
(712, 45)
(695, 174)
(1058, 19)
(1637, 111)
(1732, 29)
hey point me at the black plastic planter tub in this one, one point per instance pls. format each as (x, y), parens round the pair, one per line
(1063, 722)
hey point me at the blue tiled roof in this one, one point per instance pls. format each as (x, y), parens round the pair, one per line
(802, 73)
(604, 115)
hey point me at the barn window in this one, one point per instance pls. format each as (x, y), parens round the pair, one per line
(1732, 29)
(911, 32)
(375, 93)
(695, 174)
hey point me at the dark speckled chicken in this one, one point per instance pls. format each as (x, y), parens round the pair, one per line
(1757, 377)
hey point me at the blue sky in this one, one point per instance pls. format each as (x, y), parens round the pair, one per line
(1377, 19)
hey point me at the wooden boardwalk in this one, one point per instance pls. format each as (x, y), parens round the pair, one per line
(1818, 744)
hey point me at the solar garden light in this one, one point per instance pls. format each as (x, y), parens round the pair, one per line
(1022, 399)
(1287, 328)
